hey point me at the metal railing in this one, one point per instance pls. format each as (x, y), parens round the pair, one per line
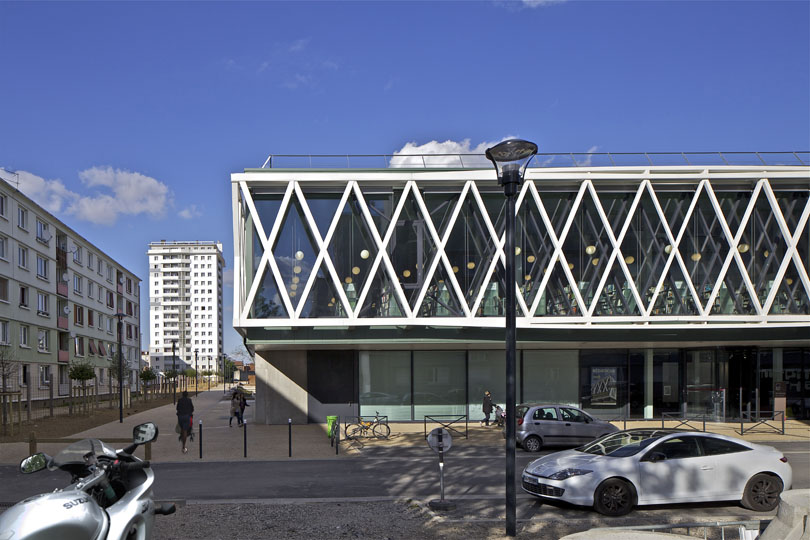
(547, 160)
(447, 421)
(685, 420)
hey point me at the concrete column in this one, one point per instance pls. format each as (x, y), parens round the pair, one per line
(281, 387)
(648, 384)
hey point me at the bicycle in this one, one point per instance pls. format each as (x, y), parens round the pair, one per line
(361, 429)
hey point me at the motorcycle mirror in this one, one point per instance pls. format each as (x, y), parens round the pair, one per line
(34, 463)
(144, 433)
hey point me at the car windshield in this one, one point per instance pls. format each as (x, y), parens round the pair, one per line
(622, 443)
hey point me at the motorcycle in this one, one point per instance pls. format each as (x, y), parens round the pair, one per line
(109, 496)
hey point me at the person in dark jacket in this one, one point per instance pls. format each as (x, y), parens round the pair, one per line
(185, 408)
(487, 406)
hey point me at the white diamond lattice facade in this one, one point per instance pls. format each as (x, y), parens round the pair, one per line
(681, 286)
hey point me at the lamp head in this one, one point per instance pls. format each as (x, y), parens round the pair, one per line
(510, 158)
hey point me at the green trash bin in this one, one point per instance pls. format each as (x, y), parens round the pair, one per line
(331, 423)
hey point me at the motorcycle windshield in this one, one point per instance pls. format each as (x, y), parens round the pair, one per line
(76, 452)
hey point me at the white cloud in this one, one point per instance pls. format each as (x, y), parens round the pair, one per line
(299, 45)
(190, 212)
(115, 192)
(442, 154)
(541, 3)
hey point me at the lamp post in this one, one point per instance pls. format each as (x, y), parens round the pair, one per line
(196, 374)
(224, 391)
(174, 372)
(510, 159)
(120, 316)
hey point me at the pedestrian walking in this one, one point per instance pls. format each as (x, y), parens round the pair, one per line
(487, 406)
(242, 405)
(235, 410)
(185, 408)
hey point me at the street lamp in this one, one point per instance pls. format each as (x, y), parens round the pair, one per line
(174, 372)
(510, 159)
(120, 316)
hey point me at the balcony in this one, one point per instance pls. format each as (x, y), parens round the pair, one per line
(62, 288)
(64, 356)
(62, 323)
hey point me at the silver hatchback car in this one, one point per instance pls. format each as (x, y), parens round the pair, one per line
(556, 425)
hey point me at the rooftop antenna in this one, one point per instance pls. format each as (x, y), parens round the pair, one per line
(15, 173)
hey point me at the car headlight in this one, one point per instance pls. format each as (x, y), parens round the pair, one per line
(568, 473)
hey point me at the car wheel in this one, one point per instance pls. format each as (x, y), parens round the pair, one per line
(532, 443)
(762, 492)
(614, 497)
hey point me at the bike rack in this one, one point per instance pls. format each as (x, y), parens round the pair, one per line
(363, 418)
(762, 420)
(684, 420)
(446, 421)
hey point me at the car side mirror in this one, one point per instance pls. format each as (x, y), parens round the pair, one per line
(34, 463)
(144, 433)
(655, 457)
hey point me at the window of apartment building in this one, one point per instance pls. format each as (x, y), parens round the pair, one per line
(77, 284)
(43, 234)
(3, 289)
(42, 267)
(90, 288)
(4, 338)
(77, 254)
(129, 331)
(129, 286)
(22, 256)
(23, 296)
(109, 273)
(23, 335)
(129, 307)
(108, 320)
(43, 340)
(3, 204)
(44, 375)
(79, 346)
(91, 259)
(3, 247)
(91, 345)
(22, 217)
(101, 376)
(99, 264)
(89, 317)
(100, 294)
(42, 303)
(78, 315)
(110, 299)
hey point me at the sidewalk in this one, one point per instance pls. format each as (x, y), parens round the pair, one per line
(223, 443)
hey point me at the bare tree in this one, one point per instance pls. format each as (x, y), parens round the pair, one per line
(9, 369)
(240, 354)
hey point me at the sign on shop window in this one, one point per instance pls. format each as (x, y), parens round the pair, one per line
(603, 386)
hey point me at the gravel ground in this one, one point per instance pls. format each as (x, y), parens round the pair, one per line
(387, 520)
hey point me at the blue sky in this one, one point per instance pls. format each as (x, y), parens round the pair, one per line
(144, 109)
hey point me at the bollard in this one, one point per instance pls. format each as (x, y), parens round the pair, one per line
(289, 434)
(244, 436)
(200, 439)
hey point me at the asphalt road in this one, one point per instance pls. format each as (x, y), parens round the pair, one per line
(402, 473)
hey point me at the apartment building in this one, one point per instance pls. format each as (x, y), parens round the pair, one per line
(60, 296)
(185, 299)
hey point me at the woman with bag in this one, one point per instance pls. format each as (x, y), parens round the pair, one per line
(235, 410)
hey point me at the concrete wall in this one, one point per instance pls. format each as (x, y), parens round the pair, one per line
(281, 387)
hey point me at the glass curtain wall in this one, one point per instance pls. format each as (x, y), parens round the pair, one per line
(439, 383)
(550, 377)
(385, 384)
(487, 371)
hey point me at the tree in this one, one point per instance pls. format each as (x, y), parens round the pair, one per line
(113, 364)
(82, 371)
(147, 376)
(240, 354)
(9, 368)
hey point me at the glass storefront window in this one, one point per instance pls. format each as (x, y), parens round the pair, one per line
(385, 384)
(603, 382)
(439, 383)
(550, 377)
(487, 371)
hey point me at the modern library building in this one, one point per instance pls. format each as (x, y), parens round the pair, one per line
(645, 284)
